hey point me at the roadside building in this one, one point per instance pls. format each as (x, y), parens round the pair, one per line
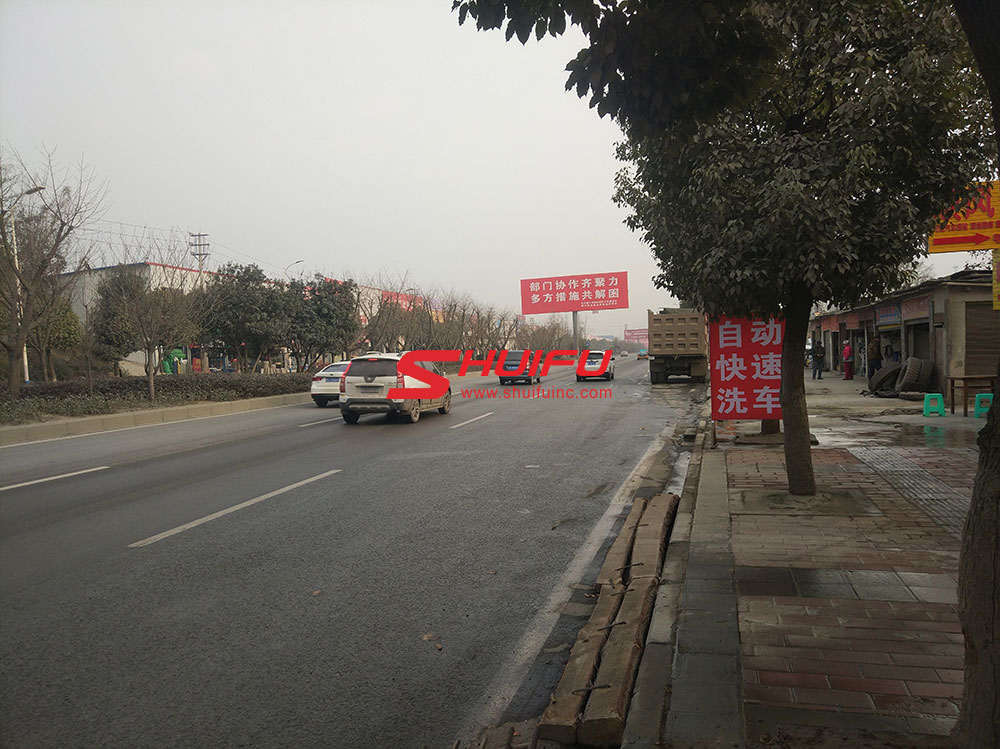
(949, 321)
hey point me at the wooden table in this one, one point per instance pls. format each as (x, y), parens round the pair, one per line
(967, 381)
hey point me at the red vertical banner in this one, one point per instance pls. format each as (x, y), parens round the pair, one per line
(745, 356)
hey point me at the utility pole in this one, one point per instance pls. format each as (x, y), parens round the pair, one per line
(199, 248)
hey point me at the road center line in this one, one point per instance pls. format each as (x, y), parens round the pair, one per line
(52, 478)
(322, 421)
(456, 426)
(228, 510)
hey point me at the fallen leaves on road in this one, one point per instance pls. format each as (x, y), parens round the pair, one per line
(439, 646)
(430, 637)
(315, 593)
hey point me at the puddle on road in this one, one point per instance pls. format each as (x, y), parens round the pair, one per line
(935, 436)
(893, 435)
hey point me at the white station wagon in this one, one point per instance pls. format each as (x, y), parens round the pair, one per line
(365, 386)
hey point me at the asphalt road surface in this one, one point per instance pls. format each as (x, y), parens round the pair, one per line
(280, 578)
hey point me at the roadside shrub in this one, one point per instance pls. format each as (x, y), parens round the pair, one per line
(40, 400)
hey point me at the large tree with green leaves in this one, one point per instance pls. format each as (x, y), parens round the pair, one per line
(823, 186)
(248, 314)
(324, 318)
(697, 46)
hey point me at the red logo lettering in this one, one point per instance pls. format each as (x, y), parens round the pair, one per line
(605, 361)
(409, 367)
(550, 359)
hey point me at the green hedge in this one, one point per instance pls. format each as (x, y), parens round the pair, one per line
(39, 401)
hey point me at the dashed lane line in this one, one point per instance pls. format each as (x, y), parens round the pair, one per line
(228, 510)
(456, 426)
(52, 478)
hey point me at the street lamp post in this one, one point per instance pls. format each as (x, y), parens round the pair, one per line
(17, 273)
(285, 271)
(287, 355)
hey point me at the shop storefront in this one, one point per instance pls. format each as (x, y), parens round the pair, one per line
(888, 325)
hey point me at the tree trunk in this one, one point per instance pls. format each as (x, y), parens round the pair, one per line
(151, 372)
(90, 375)
(13, 374)
(52, 364)
(979, 565)
(798, 453)
(979, 592)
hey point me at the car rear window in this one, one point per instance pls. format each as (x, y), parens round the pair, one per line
(513, 360)
(335, 368)
(373, 368)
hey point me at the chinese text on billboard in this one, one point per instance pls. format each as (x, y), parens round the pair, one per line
(592, 291)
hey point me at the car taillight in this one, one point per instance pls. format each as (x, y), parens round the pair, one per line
(343, 382)
(399, 381)
(317, 378)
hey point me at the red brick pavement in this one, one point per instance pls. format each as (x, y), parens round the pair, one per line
(847, 655)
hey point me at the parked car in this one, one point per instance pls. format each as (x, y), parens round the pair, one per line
(326, 383)
(593, 364)
(512, 364)
(365, 386)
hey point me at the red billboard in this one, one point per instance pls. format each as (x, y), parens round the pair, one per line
(637, 335)
(745, 356)
(592, 291)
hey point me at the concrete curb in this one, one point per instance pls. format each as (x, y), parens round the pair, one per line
(48, 430)
(654, 681)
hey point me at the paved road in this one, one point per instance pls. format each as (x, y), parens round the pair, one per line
(297, 618)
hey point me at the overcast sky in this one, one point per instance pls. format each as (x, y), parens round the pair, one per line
(364, 137)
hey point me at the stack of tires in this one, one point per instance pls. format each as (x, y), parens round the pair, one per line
(909, 380)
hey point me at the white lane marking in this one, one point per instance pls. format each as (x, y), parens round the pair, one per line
(52, 478)
(146, 426)
(324, 421)
(456, 426)
(509, 677)
(228, 510)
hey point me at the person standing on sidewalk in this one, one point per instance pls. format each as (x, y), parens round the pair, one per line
(818, 352)
(874, 355)
(848, 354)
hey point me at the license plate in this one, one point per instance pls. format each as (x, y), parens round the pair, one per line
(370, 388)
(332, 379)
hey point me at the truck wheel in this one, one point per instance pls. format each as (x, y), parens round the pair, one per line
(885, 377)
(909, 374)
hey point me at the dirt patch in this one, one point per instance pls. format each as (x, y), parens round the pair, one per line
(849, 502)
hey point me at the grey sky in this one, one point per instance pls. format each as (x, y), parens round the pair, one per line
(360, 136)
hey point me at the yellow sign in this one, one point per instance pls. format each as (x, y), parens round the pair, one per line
(996, 279)
(975, 227)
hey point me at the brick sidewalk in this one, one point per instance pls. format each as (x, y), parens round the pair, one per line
(849, 621)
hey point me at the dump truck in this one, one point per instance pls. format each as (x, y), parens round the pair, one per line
(678, 345)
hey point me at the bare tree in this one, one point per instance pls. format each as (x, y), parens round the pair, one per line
(41, 214)
(161, 298)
